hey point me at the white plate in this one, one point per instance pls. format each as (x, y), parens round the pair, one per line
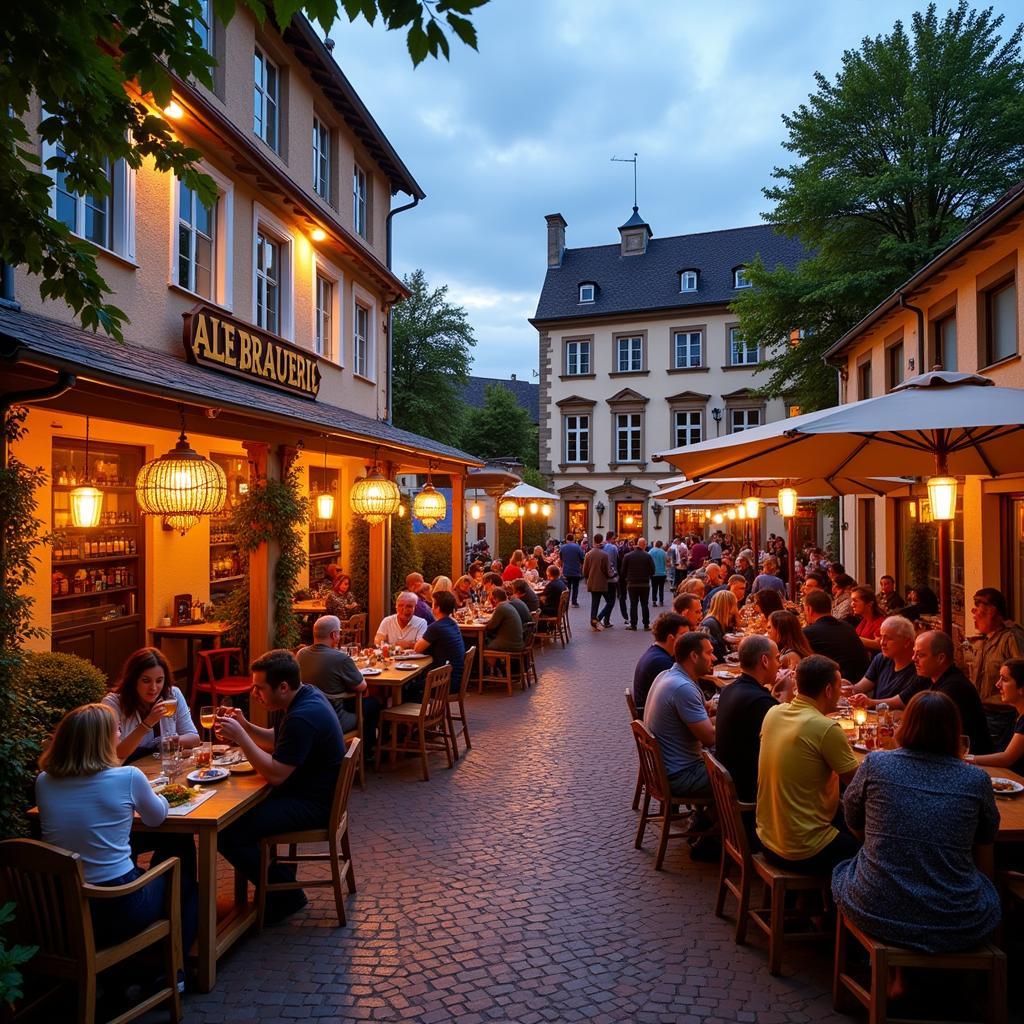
(405, 665)
(1015, 787)
(206, 775)
(412, 656)
(371, 671)
(722, 673)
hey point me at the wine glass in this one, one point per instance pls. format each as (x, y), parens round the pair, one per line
(965, 746)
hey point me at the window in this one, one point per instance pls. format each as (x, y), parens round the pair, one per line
(266, 99)
(324, 326)
(688, 281)
(196, 243)
(894, 365)
(689, 427)
(864, 380)
(739, 278)
(743, 419)
(321, 159)
(627, 437)
(688, 350)
(88, 216)
(577, 438)
(203, 25)
(945, 341)
(577, 358)
(1000, 322)
(359, 201)
(268, 283)
(587, 292)
(741, 351)
(361, 341)
(629, 354)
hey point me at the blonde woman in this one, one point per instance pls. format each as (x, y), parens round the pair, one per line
(87, 801)
(463, 590)
(723, 616)
(441, 583)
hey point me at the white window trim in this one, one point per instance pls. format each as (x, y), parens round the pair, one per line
(362, 297)
(274, 147)
(682, 280)
(675, 349)
(676, 413)
(628, 430)
(579, 432)
(263, 219)
(736, 278)
(318, 120)
(365, 233)
(324, 268)
(223, 246)
(745, 409)
(211, 23)
(729, 352)
(593, 293)
(580, 343)
(618, 352)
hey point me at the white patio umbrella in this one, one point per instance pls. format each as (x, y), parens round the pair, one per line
(523, 494)
(939, 425)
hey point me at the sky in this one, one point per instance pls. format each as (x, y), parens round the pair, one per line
(528, 125)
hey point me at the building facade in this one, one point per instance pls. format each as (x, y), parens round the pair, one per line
(960, 312)
(639, 353)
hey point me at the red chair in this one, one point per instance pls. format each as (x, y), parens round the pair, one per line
(213, 675)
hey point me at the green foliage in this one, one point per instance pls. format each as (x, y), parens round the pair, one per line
(272, 512)
(535, 531)
(501, 429)
(430, 361)
(21, 743)
(403, 552)
(917, 133)
(59, 681)
(11, 959)
(918, 555)
(433, 555)
(358, 566)
(77, 56)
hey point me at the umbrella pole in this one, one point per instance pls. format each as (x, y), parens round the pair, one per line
(945, 578)
(791, 556)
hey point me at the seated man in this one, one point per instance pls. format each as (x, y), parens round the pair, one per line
(738, 586)
(331, 670)
(892, 675)
(690, 608)
(713, 583)
(888, 596)
(525, 593)
(443, 642)
(804, 757)
(404, 628)
(529, 625)
(504, 629)
(769, 579)
(660, 656)
(679, 717)
(553, 591)
(1000, 641)
(300, 758)
(834, 639)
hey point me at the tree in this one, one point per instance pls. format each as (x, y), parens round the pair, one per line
(916, 135)
(430, 361)
(500, 429)
(97, 67)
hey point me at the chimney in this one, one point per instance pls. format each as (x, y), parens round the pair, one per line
(556, 238)
(513, 376)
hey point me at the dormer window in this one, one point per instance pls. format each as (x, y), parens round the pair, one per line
(588, 291)
(688, 280)
(739, 278)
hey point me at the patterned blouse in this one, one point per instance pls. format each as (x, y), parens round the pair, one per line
(914, 883)
(342, 605)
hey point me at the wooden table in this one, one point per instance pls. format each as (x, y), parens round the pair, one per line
(392, 680)
(310, 607)
(473, 635)
(192, 634)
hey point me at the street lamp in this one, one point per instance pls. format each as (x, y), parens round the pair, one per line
(787, 509)
(942, 497)
(600, 509)
(656, 509)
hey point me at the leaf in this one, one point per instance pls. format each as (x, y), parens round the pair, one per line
(416, 40)
(463, 28)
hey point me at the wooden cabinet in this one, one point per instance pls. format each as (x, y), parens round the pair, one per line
(324, 535)
(225, 561)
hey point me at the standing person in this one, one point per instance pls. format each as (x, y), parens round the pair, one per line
(745, 567)
(611, 549)
(572, 556)
(770, 578)
(659, 657)
(681, 561)
(715, 547)
(698, 554)
(1001, 640)
(597, 573)
(300, 758)
(637, 572)
(660, 558)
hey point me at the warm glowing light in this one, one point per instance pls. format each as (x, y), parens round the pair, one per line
(730, 514)
(508, 510)
(181, 483)
(86, 506)
(521, 511)
(942, 497)
(533, 508)
(860, 716)
(753, 507)
(718, 519)
(629, 520)
(181, 523)
(913, 510)
(318, 234)
(325, 506)
(174, 110)
(429, 506)
(545, 511)
(374, 498)
(401, 511)
(474, 510)
(787, 501)
(741, 511)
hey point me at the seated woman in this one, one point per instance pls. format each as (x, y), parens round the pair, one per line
(768, 601)
(723, 617)
(1011, 693)
(785, 629)
(514, 569)
(842, 596)
(86, 804)
(341, 601)
(864, 605)
(462, 589)
(142, 697)
(927, 818)
(476, 576)
(441, 583)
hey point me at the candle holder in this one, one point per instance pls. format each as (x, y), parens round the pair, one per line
(860, 718)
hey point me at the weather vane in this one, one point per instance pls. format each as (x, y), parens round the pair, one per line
(628, 160)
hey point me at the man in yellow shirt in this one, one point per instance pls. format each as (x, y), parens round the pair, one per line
(804, 757)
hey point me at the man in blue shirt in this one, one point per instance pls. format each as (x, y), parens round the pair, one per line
(572, 567)
(443, 642)
(660, 656)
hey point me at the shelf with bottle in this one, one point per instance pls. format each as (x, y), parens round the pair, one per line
(224, 565)
(88, 546)
(225, 579)
(85, 582)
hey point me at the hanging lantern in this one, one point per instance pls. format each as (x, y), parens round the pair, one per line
(718, 519)
(545, 511)
(741, 511)
(787, 502)
(534, 507)
(373, 497)
(942, 497)
(401, 511)
(429, 506)
(730, 514)
(508, 510)
(181, 483)
(474, 510)
(182, 522)
(325, 500)
(86, 501)
(521, 511)
(753, 506)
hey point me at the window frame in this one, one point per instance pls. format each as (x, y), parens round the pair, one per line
(335, 349)
(690, 332)
(261, 95)
(864, 377)
(224, 212)
(208, 29)
(938, 325)
(894, 349)
(683, 275)
(593, 293)
(617, 339)
(364, 300)
(729, 341)
(688, 412)
(322, 158)
(359, 174)
(581, 431)
(739, 278)
(745, 411)
(630, 428)
(580, 343)
(997, 288)
(264, 221)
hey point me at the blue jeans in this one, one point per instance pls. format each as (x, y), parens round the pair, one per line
(574, 589)
(691, 781)
(609, 607)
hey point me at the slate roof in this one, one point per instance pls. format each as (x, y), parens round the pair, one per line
(150, 371)
(526, 394)
(650, 281)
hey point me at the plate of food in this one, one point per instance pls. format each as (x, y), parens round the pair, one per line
(405, 666)
(208, 775)
(241, 768)
(413, 656)
(371, 671)
(178, 795)
(228, 759)
(1006, 787)
(724, 673)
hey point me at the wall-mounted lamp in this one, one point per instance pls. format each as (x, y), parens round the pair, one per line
(600, 509)
(656, 509)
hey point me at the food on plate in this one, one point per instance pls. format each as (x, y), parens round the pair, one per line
(1003, 786)
(176, 794)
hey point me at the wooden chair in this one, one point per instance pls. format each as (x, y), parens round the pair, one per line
(635, 716)
(213, 676)
(425, 724)
(458, 698)
(353, 630)
(557, 624)
(986, 957)
(505, 667)
(357, 733)
(335, 835)
(772, 914)
(529, 659)
(51, 897)
(652, 768)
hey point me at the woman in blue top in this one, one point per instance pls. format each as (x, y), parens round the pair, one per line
(660, 559)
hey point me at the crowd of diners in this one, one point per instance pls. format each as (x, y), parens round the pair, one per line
(906, 834)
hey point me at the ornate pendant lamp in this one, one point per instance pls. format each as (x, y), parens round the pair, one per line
(429, 506)
(373, 497)
(86, 501)
(181, 523)
(508, 510)
(182, 483)
(325, 500)
(545, 511)
(474, 510)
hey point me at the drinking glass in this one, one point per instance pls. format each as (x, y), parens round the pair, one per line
(170, 754)
(965, 746)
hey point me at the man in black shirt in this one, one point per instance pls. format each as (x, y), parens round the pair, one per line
(636, 573)
(832, 638)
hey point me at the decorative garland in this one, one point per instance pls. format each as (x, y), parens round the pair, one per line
(271, 511)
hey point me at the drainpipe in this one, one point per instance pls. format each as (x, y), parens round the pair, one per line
(391, 315)
(921, 368)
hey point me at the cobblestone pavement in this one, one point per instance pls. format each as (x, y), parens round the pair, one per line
(509, 888)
